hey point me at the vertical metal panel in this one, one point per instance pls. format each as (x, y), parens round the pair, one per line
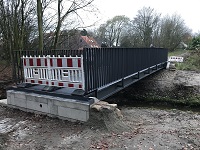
(106, 65)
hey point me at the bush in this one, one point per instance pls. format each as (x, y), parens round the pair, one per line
(195, 43)
(191, 63)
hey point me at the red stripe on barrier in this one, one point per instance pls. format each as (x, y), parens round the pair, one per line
(59, 62)
(32, 81)
(47, 82)
(79, 62)
(70, 85)
(38, 62)
(26, 80)
(40, 82)
(80, 86)
(51, 62)
(31, 62)
(69, 62)
(24, 62)
(60, 84)
(52, 83)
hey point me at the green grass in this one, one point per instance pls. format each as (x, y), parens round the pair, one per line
(177, 52)
(192, 63)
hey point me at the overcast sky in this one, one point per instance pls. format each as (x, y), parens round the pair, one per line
(189, 10)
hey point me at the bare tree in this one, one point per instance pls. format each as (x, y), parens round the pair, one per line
(131, 37)
(42, 6)
(40, 24)
(16, 19)
(75, 6)
(145, 23)
(111, 31)
(15, 26)
(172, 31)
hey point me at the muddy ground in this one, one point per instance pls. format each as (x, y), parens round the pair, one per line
(141, 128)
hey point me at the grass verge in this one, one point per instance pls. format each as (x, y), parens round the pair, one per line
(192, 63)
(177, 52)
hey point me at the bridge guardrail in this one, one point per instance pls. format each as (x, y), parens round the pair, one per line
(99, 66)
(106, 65)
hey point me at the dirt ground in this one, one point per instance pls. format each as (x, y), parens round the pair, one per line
(141, 128)
(147, 129)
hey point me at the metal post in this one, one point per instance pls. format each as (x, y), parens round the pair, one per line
(82, 72)
(49, 69)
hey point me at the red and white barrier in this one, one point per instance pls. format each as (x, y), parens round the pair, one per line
(175, 59)
(54, 71)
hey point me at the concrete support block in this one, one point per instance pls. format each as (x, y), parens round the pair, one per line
(71, 104)
(17, 102)
(16, 98)
(73, 113)
(67, 109)
(30, 97)
(52, 109)
(41, 107)
(36, 98)
(20, 95)
(8, 99)
(10, 95)
(41, 99)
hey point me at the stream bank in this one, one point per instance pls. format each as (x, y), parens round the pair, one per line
(164, 89)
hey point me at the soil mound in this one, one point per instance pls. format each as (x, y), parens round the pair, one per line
(108, 116)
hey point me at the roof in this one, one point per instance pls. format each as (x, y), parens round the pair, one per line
(91, 42)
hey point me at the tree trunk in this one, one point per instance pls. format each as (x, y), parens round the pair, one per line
(40, 24)
(22, 26)
(57, 32)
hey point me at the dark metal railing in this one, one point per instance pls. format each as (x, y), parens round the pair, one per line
(106, 65)
(101, 65)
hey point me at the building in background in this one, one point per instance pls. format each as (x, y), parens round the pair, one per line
(69, 39)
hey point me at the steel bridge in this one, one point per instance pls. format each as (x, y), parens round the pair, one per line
(104, 71)
(78, 75)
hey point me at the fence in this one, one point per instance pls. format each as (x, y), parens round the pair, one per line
(106, 65)
(101, 66)
(18, 65)
(54, 71)
(175, 59)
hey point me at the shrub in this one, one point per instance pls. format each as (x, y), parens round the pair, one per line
(191, 63)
